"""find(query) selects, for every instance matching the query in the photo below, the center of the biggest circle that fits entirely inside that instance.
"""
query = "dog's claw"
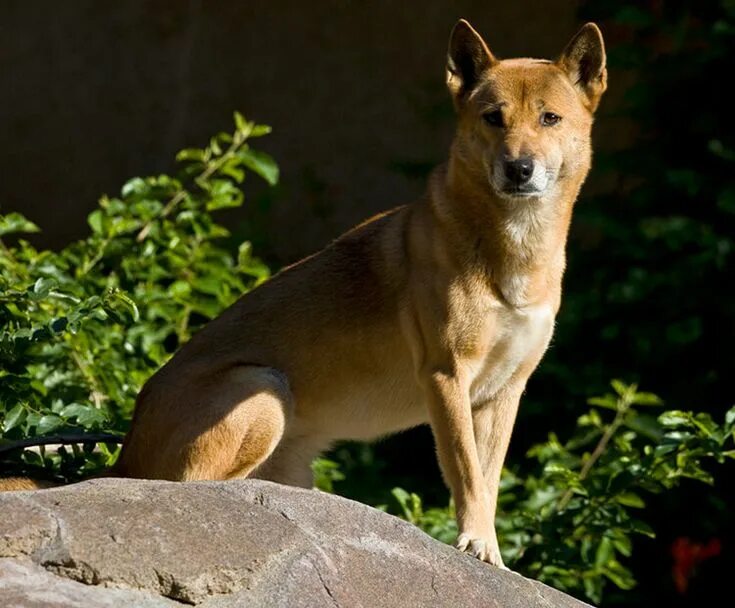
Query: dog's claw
(484, 550)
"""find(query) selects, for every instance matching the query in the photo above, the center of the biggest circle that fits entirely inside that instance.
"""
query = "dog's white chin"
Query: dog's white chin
(522, 195)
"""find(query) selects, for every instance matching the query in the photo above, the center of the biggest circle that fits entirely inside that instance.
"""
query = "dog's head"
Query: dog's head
(524, 124)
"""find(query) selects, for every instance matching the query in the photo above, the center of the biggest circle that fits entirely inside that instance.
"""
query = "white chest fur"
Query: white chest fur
(519, 333)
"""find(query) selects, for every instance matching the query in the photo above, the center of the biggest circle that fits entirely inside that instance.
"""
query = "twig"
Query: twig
(238, 140)
(9, 254)
(595, 456)
(97, 256)
(61, 439)
(97, 395)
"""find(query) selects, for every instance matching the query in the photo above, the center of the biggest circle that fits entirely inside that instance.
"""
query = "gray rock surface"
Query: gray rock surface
(117, 542)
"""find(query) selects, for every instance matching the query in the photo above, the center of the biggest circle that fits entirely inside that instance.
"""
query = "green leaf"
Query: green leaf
(240, 123)
(91, 417)
(96, 221)
(42, 287)
(624, 545)
(22, 334)
(593, 588)
(705, 424)
(231, 170)
(674, 418)
(74, 409)
(132, 306)
(410, 504)
(224, 195)
(134, 186)
(207, 284)
(326, 472)
(14, 417)
(592, 419)
(179, 289)
(48, 423)
(629, 499)
(14, 223)
(608, 401)
(191, 154)
(719, 149)
(644, 424)
(619, 387)
(647, 399)
(605, 552)
(260, 130)
(640, 527)
(260, 163)
(619, 575)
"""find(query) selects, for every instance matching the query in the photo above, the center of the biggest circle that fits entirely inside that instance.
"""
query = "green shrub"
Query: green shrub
(571, 522)
(81, 329)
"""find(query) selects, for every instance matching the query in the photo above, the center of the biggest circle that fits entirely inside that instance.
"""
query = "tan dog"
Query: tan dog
(434, 312)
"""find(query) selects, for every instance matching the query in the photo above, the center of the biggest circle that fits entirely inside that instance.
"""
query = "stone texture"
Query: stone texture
(242, 543)
(24, 584)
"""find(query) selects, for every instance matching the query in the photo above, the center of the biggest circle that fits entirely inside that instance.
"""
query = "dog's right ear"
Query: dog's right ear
(468, 58)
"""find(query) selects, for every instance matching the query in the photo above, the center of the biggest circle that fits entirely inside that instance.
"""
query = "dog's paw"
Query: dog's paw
(484, 549)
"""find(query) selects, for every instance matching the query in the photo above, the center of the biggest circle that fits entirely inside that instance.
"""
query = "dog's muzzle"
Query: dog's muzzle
(520, 177)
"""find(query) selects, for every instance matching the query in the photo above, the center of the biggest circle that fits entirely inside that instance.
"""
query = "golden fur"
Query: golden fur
(436, 312)
(14, 484)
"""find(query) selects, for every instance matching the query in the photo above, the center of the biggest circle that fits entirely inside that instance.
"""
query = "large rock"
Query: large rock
(116, 542)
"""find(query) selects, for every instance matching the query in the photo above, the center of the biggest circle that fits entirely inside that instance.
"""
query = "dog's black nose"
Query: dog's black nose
(520, 170)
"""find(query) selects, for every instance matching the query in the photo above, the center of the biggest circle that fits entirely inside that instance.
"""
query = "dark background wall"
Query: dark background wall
(96, 92)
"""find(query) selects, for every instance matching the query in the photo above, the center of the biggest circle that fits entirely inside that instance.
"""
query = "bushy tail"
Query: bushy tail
(15, 484)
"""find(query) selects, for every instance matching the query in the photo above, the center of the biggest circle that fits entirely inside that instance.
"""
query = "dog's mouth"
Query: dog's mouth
(512, 191)
(515, 192)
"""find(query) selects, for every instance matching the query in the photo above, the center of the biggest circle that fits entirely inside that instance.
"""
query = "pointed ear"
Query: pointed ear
(584, 62)
(467, 59)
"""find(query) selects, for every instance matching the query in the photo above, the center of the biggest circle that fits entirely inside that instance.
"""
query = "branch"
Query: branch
(61, 439)
(594, 457)
(238, 140)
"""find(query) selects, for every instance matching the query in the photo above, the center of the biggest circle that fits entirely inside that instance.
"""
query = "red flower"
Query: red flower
(687, 556)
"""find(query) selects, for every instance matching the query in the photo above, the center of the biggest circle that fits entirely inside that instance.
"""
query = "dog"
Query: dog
(435, 312)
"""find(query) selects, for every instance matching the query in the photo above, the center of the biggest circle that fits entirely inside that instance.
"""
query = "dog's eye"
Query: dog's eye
(549, 119)
(494, 119)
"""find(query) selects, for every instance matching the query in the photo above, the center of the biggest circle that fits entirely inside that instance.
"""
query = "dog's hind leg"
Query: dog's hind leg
(248, 434)
(290, 462)
(221, 428)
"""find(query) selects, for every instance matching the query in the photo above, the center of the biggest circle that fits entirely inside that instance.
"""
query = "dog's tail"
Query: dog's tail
(15, 484)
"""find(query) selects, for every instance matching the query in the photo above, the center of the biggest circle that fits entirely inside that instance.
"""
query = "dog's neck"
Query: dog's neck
(518, 244)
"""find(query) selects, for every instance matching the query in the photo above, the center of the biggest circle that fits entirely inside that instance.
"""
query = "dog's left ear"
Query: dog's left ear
(584, 62)
(467, 59)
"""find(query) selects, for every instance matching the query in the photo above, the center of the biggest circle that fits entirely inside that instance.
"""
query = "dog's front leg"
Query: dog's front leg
(451, 421)
(493, 426)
